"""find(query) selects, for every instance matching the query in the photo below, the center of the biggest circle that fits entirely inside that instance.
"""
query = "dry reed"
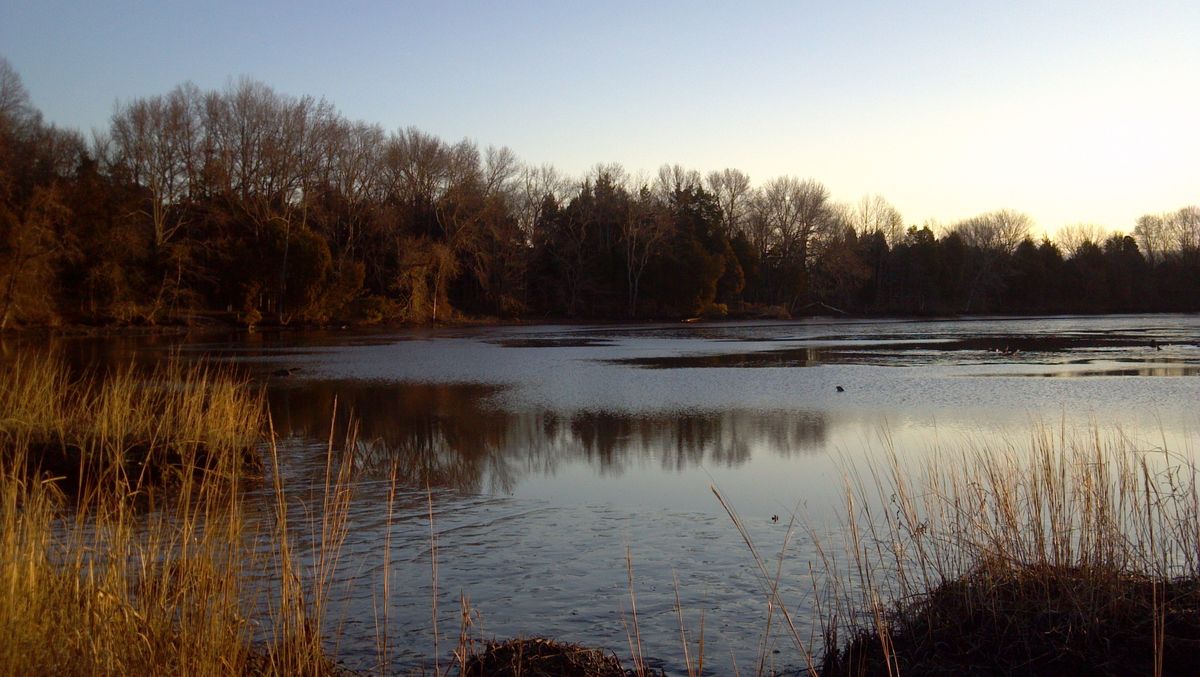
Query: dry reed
(1074, 553)
(97, 581)
(132, 428)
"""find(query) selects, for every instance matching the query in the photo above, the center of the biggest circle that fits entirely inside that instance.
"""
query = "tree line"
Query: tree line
(249, 205)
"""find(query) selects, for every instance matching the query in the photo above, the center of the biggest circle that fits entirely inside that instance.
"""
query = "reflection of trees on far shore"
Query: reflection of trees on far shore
(688, 439)
(450, 435)
(436, 434)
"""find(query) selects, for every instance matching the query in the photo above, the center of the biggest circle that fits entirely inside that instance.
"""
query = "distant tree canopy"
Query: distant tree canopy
(250, 205)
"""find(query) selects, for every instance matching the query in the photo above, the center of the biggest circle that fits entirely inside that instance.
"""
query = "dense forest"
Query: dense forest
(249, 206)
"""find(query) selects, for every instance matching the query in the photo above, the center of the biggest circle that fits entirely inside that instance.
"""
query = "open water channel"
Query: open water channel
(550, 452)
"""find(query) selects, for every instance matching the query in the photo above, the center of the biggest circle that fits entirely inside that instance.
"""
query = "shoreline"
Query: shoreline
(226, 327)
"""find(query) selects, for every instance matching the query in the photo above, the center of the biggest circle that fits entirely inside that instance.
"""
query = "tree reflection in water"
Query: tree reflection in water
(458, 436)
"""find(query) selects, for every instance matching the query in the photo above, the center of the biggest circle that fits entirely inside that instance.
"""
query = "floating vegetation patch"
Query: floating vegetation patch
(539, 657)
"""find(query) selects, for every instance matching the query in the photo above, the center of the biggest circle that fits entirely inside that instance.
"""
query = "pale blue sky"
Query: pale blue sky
(1070, 111)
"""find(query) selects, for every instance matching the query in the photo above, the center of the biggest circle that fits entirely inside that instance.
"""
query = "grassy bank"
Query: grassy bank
(130, 429)
(1063, 554)
(94, 579)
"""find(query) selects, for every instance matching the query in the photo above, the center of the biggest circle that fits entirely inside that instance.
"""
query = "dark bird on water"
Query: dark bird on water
(774, 518)
(841, 389)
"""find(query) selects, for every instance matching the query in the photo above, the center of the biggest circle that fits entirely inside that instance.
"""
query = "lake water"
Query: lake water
(550, 452)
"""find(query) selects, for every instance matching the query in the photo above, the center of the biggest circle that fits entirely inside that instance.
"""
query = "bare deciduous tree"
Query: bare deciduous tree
(734, 195)
(500, 168)
(533, 186)
(998, 231)
(15, 107)
(1184, 227)
(157, 140)
(992, 235)
(874, 214)
(1071, 238)
(786, 218)
(1161, 235)
(793, 212)
(647, 225)
(613, 173)
(353, 171)
(674, 178)
(838, 268)
(1152, 237)
(415, 166)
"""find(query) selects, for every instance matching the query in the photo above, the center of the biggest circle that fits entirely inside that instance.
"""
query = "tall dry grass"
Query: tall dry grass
(129, 427)
(1067, 552)
(96, 581)
(126, 546)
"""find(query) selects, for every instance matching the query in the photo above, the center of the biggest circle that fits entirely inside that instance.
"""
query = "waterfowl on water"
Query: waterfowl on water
(841, 389)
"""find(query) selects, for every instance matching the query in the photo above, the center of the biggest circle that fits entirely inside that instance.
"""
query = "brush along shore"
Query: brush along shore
(1033, 620)
(1063, 554)
(94, 582)
(128, 429)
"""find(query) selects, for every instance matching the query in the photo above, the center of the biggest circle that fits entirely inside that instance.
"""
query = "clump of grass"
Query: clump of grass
(97, 582)
(1072, 554)
(299, 612)
(128, 427)
(540, 657)
(1004, 620)
(104, 587)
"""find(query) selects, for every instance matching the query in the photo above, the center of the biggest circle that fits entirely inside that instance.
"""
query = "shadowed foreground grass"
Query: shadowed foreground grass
(96, 580)
(128, 429)
(1066, 555)
(1006, 620)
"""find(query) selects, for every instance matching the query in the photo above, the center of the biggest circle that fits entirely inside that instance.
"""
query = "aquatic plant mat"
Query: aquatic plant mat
(539, 657)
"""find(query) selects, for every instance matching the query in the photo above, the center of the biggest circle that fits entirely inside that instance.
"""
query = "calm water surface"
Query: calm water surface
(552, 451)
